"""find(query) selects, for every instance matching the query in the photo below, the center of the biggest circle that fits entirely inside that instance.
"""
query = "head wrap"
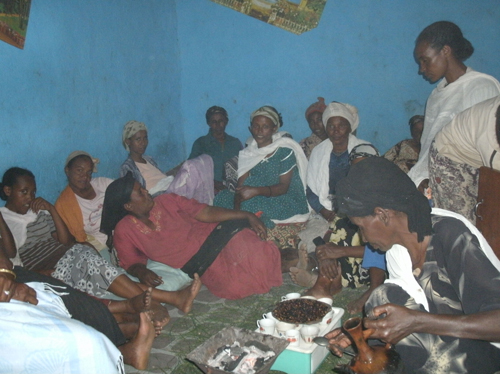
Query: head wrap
(74, 154)
(269, 112)
(347, 111)
(117, 195)
(318, 106)
(215, 109)
(130, 129)
(377, 182)
(363, 150)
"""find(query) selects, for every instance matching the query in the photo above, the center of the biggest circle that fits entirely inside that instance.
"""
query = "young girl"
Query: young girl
(45, 244)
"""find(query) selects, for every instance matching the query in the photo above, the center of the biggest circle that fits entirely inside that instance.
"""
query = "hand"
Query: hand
(246, 192)
(338, 339)
(40, 204)
(9, 289)
(329, 251)
(149, 277)
(258, 226)
(397, 323)
(330, 269)
(329, 215)
(219, 186)
(423, 185)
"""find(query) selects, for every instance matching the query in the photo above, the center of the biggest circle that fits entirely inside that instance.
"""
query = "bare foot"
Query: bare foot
(325, 287)
(136, 352)
(160, 324)
(185, 297)
(303, 260)
(159, 314)
(303, 277)
(140, 303)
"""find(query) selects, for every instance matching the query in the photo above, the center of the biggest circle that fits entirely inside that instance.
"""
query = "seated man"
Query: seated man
(441, 305)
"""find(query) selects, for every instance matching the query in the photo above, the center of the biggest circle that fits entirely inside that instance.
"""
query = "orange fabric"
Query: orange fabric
(68, 208)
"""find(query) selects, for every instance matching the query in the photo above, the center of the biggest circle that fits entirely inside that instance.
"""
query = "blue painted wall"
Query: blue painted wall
(90, 66)
(87, 68)
(361, 53)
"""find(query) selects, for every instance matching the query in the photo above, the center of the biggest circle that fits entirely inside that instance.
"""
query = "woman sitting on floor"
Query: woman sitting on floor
(217, 143)
(232, 260)
(441, 305)
(80, 207)
(44, 244)
(344, 261)
(271, 179)
(314, 118)
(193, 178)
(405, 153)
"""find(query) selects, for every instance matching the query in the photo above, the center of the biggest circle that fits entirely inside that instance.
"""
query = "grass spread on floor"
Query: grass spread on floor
(211, 314)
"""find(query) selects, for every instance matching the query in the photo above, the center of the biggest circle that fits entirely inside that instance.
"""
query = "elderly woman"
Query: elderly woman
(329, 161)
(468, 142)
(440, 51)
(314, 118)
(80, 207)
(271, 175)
(217, 143)
(213, 242)
(405, 153)
(441, 305)
(193, 179)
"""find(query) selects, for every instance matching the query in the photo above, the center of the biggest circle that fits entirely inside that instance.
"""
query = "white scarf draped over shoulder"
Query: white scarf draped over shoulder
(252, 155)
(318, 175)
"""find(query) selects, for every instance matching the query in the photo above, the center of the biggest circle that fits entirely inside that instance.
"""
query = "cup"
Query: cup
(283, 327)
(270, 316)
(309, 297)
(327, 319)
(266, 326)
(308, 333)
(326, 300)
(290, 296)
(293, 336)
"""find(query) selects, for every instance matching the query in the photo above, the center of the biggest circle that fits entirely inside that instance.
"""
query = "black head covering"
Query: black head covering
(377, 182)
(117, 195)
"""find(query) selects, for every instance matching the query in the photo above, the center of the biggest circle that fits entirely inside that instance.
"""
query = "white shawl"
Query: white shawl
(318, 175)
(443, 104)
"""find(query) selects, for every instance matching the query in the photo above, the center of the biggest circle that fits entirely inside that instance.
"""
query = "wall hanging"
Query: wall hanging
(14, 16)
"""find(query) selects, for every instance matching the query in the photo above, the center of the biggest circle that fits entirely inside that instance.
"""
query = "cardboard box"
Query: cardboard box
(303, 359)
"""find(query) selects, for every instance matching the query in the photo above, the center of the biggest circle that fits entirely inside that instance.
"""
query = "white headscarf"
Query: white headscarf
(347, 111)
(130, 129)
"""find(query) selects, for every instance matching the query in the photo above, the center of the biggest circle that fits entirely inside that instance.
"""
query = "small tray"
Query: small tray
(304, 309)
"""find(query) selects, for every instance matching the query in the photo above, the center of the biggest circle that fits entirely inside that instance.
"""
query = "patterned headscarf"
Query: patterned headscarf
(116, 196)
(363, 150)
(347, 111)
(377, 182)
(130, 129)
(318, 106)
(74, 154)
(268, 112)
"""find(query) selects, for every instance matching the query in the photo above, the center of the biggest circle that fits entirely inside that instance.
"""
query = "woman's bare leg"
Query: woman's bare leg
(136, 352)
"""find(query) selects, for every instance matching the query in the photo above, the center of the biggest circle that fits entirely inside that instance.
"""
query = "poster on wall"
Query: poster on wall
(296, 16)
(14, 16)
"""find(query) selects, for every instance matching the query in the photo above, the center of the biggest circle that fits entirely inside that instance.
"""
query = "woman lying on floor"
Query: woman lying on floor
(44, 244)
(33, 303)
(216, 243)
(80, 207)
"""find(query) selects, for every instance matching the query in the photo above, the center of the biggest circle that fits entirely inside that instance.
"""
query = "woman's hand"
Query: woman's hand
(247, 192)
(329, 251)
(394, 326)
(329, 215)
(146, 276)
(9, 289)
(40, 204)
(258, 226)
(330, 269)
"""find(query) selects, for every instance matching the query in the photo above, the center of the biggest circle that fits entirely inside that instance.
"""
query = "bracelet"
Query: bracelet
(8, 272)
(270, 191)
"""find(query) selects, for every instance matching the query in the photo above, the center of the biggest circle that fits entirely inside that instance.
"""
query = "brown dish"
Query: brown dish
(303, 311)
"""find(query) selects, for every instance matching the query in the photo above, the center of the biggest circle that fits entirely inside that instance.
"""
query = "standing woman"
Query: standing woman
(440, 51)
